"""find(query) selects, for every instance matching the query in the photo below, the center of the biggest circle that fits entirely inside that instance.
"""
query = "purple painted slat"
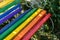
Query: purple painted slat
(10, 15)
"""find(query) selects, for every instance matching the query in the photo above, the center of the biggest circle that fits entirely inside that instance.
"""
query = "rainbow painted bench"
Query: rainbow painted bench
(25, 25)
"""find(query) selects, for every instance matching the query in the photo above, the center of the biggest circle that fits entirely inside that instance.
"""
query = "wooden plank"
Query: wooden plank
(5, 2)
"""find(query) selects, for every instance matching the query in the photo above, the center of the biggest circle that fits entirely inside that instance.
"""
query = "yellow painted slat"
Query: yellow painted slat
(5, 2)
(18, 29)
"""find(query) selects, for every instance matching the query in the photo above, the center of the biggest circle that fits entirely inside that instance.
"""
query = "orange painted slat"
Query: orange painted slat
(30, 25)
